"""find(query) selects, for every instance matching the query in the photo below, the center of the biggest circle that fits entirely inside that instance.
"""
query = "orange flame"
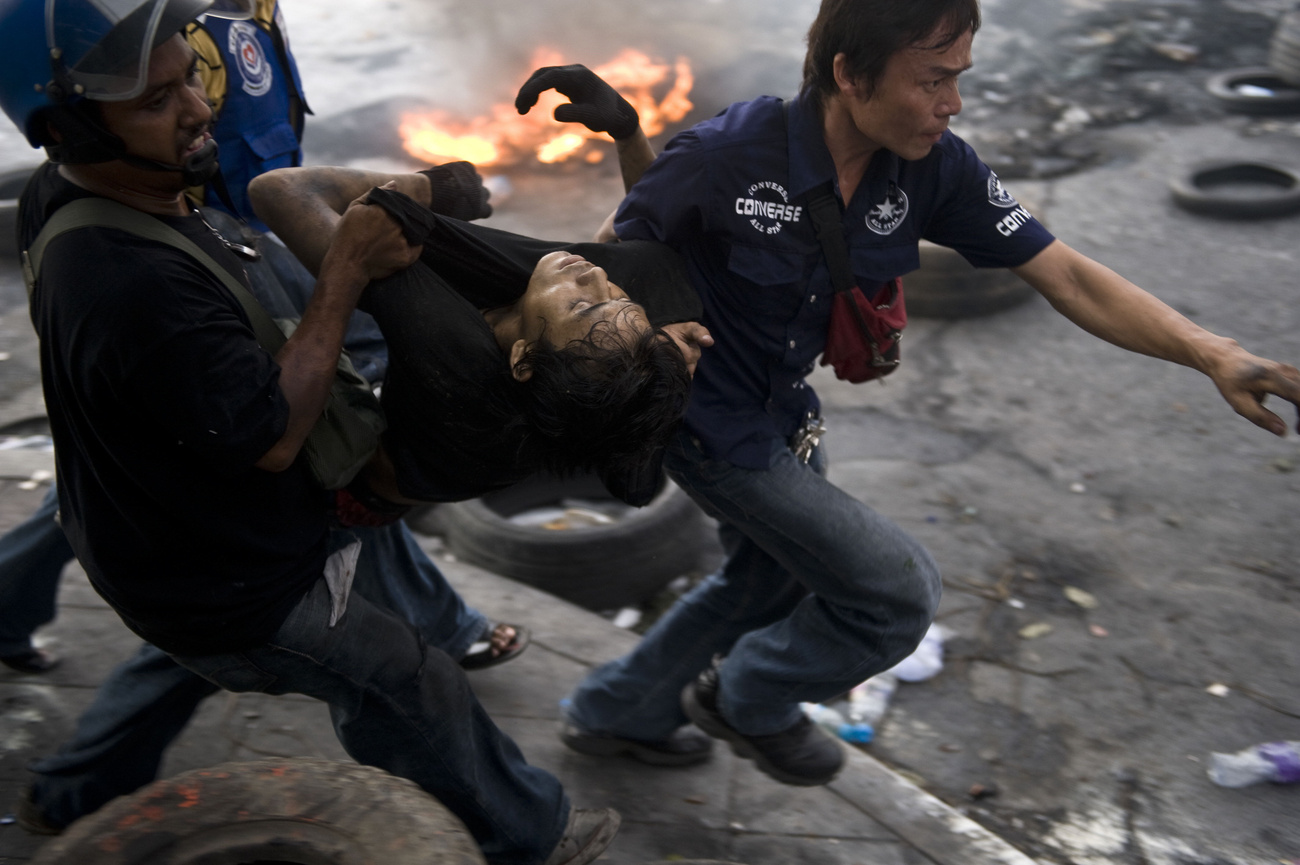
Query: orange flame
(505, 136)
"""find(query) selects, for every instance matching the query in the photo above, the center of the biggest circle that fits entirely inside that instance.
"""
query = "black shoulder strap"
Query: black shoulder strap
(91, 212)
(824, 208)
(827, 219)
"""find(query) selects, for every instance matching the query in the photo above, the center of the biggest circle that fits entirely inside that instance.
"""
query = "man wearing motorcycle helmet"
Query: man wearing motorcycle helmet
(177, 436)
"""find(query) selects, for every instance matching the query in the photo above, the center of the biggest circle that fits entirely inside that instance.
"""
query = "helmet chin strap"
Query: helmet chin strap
(197, 169)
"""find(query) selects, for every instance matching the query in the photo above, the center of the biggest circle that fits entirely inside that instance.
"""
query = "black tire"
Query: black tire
(947, 286)
(303, 811)
(1284, 48)
(11, 187)
(1284, 98)
(1196, 192)
(600, 567)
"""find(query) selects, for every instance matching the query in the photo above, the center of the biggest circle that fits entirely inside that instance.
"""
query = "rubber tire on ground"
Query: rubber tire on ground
(11, 187)
(302, 810)
(1222, 87)
(1195, 191)
(601, 567)
(947, 286)
(1284, 48)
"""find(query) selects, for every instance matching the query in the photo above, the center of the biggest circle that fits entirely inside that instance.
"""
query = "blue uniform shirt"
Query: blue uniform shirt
(731, 196)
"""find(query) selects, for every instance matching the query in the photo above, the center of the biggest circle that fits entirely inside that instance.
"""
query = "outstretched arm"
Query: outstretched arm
(303, 205)
(634, 156)
(600, 108)
(1109, 306)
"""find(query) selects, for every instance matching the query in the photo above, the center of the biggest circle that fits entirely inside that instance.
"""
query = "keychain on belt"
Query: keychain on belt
(807, 437)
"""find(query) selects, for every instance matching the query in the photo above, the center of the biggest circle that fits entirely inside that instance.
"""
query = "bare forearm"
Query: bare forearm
(366, 245)
(634, 156)
(309, 358)
(1110, 307)
(303, 205)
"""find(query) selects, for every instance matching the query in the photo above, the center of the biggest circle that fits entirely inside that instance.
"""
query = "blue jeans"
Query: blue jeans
(818, 593)
(32, 556)
(398, 699)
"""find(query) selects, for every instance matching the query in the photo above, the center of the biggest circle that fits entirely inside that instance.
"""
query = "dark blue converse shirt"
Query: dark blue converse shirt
(731, 196)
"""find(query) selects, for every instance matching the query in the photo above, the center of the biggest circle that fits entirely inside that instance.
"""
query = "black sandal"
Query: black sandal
(32, 661)
(480, 655)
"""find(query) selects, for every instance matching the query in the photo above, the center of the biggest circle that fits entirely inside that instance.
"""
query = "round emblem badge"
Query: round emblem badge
(998, 194)
(249, 58)
(890, 213)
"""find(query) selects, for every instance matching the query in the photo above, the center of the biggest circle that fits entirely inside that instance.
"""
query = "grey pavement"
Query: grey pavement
(723, 810)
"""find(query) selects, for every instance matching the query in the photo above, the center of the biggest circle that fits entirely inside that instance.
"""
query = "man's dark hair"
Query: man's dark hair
(869, 32)
(607, 401)
(82, 136)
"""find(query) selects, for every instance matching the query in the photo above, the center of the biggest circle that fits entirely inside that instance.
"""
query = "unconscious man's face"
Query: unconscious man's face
(567, 296)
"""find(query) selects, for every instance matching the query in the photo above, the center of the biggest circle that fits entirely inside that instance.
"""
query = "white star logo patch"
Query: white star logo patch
(890, 213)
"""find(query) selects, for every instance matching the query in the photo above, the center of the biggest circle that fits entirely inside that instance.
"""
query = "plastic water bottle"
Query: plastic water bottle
(832, 721)
(927, 659)
(869, 700)
(1278, 762)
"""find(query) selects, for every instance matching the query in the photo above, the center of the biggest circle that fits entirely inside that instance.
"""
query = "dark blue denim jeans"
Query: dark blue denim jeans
(32, 557)
(397, 697)
(818, 593)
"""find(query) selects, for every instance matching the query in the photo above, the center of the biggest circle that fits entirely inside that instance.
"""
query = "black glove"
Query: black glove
(593, 103)
(457, 191)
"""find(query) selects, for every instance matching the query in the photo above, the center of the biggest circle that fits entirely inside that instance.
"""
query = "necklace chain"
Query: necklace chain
(248, 253)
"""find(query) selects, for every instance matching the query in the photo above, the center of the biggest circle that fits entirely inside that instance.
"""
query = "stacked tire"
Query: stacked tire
(1284, 49)
(1251, 189)
(1271, 89)
(947, 286)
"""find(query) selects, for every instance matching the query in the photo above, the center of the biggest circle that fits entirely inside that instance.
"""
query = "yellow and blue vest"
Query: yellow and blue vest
(256, 93)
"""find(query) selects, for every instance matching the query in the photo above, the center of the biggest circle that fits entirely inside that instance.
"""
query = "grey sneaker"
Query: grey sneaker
(801, 755)
(685, 747)
(586, 835)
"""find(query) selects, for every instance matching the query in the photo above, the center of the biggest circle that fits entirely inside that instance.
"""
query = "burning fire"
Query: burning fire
(504, 136)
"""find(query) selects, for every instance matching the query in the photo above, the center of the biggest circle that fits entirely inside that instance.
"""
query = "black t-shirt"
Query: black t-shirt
(160, 403)
(450, 431)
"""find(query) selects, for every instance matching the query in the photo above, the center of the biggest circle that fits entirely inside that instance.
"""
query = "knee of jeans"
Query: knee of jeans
(921, 592)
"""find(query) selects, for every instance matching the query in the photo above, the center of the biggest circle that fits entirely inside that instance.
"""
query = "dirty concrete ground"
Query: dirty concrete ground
(1029, 456)
(724, 810)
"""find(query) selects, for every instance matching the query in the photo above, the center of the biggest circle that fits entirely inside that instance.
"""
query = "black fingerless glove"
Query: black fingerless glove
(457, 191)
(592, 102)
